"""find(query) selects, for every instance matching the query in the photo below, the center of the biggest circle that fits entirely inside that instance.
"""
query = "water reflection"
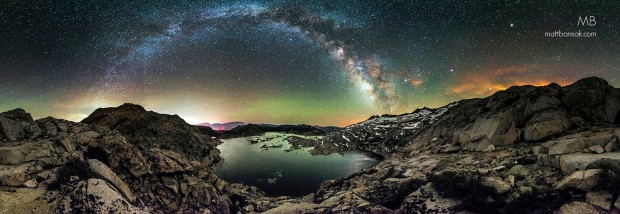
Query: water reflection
(279, 171)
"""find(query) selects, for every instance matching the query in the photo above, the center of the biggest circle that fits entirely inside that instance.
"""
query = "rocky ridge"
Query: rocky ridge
(525, 149)
(147, 129)
(128, 161)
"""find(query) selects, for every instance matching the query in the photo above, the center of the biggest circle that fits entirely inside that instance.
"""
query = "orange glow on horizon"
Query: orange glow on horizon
(488, 81)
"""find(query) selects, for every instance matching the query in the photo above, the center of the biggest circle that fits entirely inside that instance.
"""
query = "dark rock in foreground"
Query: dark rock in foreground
(18, 125)
(147, 129)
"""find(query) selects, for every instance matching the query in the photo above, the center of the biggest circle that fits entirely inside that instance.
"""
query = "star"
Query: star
(302, 61)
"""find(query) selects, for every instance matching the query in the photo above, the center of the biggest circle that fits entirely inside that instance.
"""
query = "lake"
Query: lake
(280, 172)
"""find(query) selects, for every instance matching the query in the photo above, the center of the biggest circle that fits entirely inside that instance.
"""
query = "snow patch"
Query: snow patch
(345, 137)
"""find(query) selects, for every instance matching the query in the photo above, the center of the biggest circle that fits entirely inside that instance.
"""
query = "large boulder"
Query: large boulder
(579, 141)
(569, 163)
(18, 125)
(601, 138)
(545, 124)
(16, 175)
(587, 98)
(496, 130)
(565, 145)
(104, 172)
(584, 180)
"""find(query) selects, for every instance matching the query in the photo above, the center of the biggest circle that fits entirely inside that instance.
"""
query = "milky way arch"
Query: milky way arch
(365, 70)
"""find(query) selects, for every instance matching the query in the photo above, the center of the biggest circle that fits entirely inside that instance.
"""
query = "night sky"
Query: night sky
(314, 62)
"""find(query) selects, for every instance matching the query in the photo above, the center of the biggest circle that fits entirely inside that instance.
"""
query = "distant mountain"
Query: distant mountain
(329, 129)
(244, 131)
(222, 126)
(208, 131)
(326, 129)
(225, 130)
(259, 129)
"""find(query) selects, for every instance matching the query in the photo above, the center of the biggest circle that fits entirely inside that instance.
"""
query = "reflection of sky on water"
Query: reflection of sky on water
(278, 172)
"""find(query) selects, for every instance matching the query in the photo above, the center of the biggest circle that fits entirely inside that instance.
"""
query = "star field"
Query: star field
(315, 62)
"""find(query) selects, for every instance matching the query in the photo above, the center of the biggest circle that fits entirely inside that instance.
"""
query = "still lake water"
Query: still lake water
(278, 172)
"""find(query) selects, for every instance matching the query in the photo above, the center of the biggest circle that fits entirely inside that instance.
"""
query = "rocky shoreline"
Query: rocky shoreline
(523, 150)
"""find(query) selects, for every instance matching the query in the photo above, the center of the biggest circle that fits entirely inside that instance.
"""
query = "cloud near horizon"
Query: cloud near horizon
(485, 82)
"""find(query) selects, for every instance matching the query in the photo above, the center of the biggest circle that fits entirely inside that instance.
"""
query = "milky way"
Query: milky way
(316, 62)
(365, 71)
